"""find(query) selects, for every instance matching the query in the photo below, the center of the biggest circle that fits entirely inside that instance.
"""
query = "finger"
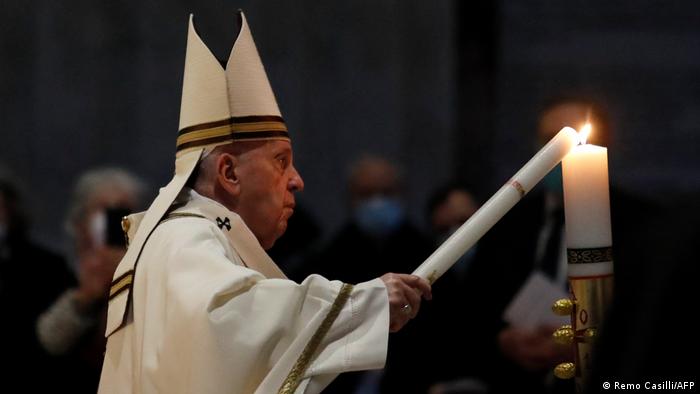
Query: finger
(419, 283)
(404, 291)
(424, 287)
(396, 293)
(397, 300)
(398, 318)
(410, 297)
(413, 299)
(395, 326)
(411, 280)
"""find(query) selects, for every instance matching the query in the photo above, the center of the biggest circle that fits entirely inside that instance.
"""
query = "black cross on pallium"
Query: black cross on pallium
(222, 223)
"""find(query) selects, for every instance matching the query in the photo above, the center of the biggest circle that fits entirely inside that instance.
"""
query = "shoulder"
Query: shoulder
(191, 244)
(186, 231)
(186, 223)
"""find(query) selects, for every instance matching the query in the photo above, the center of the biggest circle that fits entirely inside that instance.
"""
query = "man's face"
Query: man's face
(373, 177)
(457, 208)
(268, 181)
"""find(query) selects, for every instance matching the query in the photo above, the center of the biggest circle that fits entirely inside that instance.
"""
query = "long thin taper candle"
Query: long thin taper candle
(498, 205)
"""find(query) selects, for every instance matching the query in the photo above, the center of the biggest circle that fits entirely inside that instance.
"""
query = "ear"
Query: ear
(227, 168)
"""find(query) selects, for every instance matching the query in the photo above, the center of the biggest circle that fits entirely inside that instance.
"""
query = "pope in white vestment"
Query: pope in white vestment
(196, 305)
(206, 323)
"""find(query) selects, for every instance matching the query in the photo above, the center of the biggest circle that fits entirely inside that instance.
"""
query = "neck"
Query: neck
(215, 193)
(206, 190)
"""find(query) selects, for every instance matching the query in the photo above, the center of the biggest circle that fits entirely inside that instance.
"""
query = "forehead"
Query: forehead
(261, 149)
(280, 146)
(274, 147)
(373, 176)
(262, 155)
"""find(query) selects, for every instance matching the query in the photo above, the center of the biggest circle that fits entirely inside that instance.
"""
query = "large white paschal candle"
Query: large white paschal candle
(589, 249)
(587, 209)
(498, 205)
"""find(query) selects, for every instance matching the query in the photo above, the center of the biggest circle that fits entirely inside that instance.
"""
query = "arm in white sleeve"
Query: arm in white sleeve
(61, 326)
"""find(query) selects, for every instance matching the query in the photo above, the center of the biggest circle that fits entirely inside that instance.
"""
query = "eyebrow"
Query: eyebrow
(283, 151)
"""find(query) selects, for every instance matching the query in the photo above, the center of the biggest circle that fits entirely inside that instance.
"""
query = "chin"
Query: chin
(280, 231)
(268, 242)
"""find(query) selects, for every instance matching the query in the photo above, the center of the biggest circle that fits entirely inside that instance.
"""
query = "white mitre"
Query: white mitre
(219, 106)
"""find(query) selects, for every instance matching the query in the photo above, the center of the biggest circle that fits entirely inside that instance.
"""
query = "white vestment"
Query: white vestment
(211, 313)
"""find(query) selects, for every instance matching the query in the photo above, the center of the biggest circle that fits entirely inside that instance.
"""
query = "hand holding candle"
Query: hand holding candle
(498, 205)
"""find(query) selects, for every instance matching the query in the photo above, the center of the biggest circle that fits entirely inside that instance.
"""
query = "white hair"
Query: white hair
(91, 182)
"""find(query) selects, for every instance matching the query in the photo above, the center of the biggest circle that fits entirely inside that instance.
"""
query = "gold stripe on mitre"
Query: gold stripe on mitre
(259, 127)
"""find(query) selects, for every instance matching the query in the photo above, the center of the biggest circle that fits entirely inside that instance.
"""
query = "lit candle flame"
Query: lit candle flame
(583, 134)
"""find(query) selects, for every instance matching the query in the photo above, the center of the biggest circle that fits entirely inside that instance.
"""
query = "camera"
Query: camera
(106, 227)
(114, 234)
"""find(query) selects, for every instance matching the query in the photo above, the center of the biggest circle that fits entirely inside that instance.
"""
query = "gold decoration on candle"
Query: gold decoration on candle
(564, 335)
(518, 187)
(591, 295)
(589, 255)
(589, 243)
(563, 307)
(590, 335)
(565, 370)
(432, 277)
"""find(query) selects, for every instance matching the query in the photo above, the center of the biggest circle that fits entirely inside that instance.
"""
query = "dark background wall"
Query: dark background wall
(448, 89)
(640, 59)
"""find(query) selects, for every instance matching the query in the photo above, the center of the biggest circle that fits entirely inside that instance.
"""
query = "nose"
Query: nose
(296, 184)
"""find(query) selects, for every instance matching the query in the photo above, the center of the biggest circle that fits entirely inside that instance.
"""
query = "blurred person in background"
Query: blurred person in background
(528, 244)
(377, 237)
(447, 209)
(73, 326)
(31, 277)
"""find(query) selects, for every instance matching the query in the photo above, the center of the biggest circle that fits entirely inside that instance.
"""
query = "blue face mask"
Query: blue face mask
(379, 216)
(552, 181)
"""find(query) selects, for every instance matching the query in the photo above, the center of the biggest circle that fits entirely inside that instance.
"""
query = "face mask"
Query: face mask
(552, 181)
(379, 216)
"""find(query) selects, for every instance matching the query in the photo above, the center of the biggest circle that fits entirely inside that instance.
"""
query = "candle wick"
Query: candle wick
(583, 134)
